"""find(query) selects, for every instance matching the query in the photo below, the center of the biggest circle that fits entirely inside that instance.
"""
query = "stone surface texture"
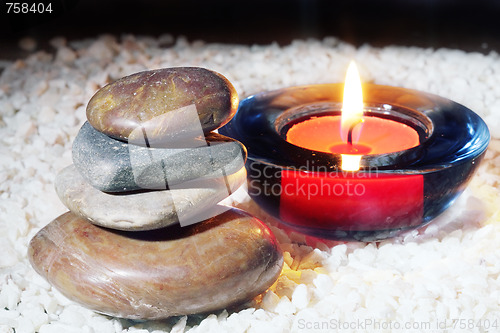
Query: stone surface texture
(159, 104)
(146, 210)
(212, 265)
(112, 165)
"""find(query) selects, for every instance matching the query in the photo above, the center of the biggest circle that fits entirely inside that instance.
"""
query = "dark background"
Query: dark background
(472, 25)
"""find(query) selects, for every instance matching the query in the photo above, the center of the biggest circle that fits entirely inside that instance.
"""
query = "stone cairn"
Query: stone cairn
(145, 237)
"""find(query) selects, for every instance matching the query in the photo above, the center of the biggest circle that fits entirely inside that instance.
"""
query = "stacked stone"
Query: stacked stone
(145, 238)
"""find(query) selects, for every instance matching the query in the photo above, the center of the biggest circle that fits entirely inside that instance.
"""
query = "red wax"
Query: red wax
(379, 135)
(351, 201)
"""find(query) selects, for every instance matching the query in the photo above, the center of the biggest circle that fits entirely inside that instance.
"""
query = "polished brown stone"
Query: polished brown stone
(156, 107)
(220, 262)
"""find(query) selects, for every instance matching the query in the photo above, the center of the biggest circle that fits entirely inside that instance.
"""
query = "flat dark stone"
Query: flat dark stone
(111, 165)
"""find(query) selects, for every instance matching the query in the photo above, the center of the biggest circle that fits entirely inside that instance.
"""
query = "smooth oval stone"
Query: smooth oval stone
(212, 265)
(194, 202)
(111, 165)
(163, 104)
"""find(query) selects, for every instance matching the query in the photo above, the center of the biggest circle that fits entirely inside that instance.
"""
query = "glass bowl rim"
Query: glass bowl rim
(431, 106)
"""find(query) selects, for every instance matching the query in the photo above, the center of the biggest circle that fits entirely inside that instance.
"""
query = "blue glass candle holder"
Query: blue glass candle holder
(390, 193)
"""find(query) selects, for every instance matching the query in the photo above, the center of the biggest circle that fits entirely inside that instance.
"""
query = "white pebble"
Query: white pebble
(28, 44)
(72, 316)
(285, 307)
(65, 54)
(9, 295)
(6, 329)
(270, 301)
(180, 325)
(8, 317)
(59, 328)
(8, 255)
(300, 297)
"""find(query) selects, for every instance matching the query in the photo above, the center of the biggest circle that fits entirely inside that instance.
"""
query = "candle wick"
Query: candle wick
(351, 129)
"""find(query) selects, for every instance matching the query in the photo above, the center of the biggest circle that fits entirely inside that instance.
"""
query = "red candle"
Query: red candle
(351, 200)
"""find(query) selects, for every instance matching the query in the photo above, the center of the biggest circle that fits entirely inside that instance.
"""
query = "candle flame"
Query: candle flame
(352, 104)
(352, 114)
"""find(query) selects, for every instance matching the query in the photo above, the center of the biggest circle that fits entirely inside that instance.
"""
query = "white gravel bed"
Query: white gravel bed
(445, 275)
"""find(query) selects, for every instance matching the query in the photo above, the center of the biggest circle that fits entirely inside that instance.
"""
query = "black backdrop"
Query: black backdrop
(472, 25)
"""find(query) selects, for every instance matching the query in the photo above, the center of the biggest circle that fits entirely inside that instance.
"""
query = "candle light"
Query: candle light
(352, 134)
(397, 164)
(356, 201)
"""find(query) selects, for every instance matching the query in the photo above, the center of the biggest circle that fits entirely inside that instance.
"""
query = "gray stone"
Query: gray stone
(147, 210)
(111, 165)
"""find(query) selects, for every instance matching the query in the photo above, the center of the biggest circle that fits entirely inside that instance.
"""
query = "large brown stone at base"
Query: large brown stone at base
(223, 261)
